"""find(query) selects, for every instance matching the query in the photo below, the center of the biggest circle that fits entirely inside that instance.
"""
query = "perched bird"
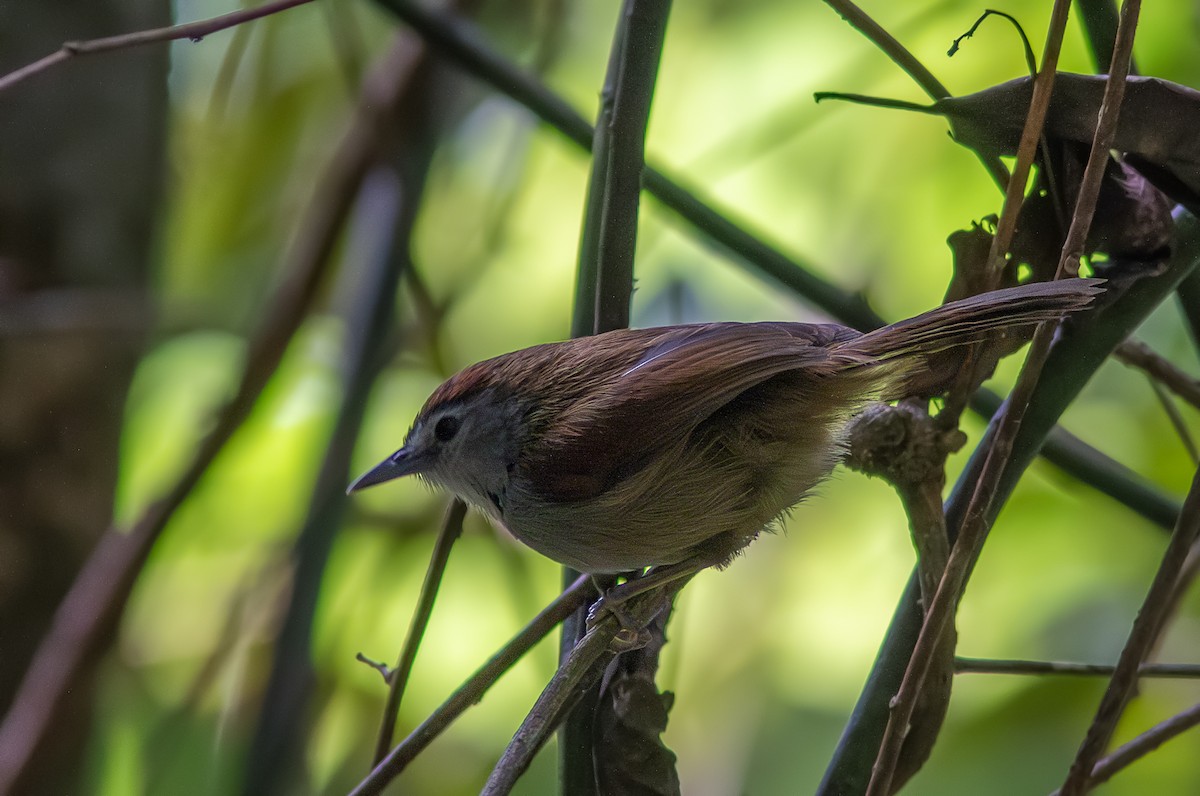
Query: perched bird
(674, 447)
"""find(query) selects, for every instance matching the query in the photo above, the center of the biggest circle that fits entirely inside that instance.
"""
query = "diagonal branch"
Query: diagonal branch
(191, 30)
(471, 691)
(398, 677)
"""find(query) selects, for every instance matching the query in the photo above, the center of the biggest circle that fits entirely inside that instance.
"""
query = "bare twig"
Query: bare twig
(893, 49)
(583, 667)
(398, 676)
(471, 691)
(1137, 354)
(191, 30)
(1182, 671)
(1145, 631)
(1027, 48)
(1177, 422)
(1144, 744)
(1039, 106)
(384, 670)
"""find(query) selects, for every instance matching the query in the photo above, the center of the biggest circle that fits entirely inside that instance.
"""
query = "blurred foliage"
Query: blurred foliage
(767, 657)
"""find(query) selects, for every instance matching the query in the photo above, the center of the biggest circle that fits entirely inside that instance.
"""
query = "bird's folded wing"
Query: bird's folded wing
(681, 379)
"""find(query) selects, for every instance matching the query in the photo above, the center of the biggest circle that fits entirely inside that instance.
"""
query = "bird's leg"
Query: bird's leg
(669, 578)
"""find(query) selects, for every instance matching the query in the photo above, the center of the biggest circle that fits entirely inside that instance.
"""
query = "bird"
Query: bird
(670, 449)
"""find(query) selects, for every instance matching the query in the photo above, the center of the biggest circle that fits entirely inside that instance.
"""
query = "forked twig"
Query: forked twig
(1129, 753)
(476, 686)
(398, 676)
(1137, 354)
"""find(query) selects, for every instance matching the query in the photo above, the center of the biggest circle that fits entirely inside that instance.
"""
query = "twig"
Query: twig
(1137, 354)
(471, 691)
(398, 676)
(575, 677)
(1177, 422)
(897, 52)
(1182, 671)
(1039, 106)
(1027, 48)
(584, 666)
(191, 30)
(384, 670)
(378, 244)
(976, 524)
(1126, 754)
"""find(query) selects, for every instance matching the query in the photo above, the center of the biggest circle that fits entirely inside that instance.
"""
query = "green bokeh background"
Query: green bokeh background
(766, 658)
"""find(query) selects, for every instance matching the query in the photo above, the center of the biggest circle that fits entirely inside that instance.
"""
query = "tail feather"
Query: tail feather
(969, 320)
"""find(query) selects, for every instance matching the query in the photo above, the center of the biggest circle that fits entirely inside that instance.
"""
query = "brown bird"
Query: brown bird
(676, 446)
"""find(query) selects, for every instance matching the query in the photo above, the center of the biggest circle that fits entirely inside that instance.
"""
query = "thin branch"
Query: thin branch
(1039, 106)
(1166, 671)
(587, 661)
(1177, 422)
(1087, 465)
(1126, 754)
(472, 691)
(1137, 354)
(378, 245)
(893, 49)
(398, 676)
(194, 31)
(977, 523)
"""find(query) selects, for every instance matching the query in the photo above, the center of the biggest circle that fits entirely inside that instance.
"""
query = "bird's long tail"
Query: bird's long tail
(904, 345)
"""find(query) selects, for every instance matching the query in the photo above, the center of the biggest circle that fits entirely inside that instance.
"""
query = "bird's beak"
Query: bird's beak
(401, 463)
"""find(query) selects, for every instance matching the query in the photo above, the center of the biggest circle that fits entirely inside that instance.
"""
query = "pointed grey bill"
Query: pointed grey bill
(401, 463)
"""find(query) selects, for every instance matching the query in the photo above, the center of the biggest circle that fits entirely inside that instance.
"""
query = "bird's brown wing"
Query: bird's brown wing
(681, 379)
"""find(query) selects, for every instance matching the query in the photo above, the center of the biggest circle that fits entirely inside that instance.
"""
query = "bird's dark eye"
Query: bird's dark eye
(446, 428)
